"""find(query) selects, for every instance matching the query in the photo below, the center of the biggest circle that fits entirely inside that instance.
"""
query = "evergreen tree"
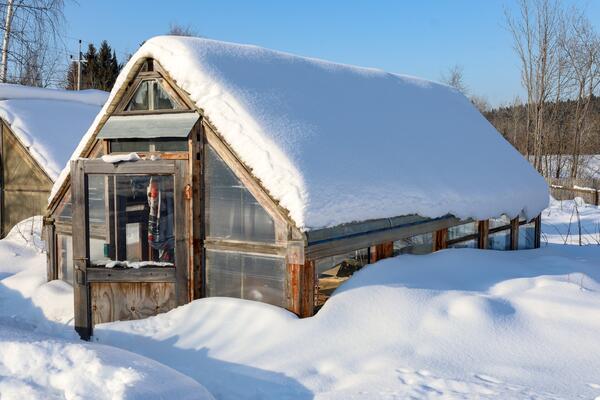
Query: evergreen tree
(99, 71)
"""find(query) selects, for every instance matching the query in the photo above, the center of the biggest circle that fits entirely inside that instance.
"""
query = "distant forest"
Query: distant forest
(511, 121)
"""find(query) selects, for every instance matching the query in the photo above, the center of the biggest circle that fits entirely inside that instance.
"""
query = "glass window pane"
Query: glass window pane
(458, 231)
(232, 212)
(64, 252)
(468, 244)
(66, 213)
(162, 101)
(145, 145)
(140, 99)
(418, 244)
(527, 236)
(246, 276)
(499, 240)
(497, 222)
(139, 220)
(335, 270)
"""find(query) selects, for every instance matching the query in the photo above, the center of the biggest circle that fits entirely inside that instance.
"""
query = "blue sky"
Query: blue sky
(421, 38)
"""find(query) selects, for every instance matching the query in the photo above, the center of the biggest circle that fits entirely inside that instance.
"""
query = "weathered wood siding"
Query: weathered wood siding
(131, 300)
(25, 186)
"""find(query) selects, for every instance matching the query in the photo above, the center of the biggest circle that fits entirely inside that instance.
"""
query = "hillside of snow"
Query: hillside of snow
(456, 324)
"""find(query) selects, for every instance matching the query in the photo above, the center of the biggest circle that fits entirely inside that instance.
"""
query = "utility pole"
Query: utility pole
(79, 61)
(79, 68)
(6, 39)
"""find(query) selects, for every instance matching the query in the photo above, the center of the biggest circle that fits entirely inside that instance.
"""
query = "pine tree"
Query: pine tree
(89, 70)
(99, 71)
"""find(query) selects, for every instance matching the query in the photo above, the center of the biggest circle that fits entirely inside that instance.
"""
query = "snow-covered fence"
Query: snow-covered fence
(568, 189)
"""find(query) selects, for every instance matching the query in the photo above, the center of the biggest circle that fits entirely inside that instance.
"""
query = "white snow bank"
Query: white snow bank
(458, 324)
(49, 122)
(38, 367)
(335, 143)
(40, 356)
(568, 221)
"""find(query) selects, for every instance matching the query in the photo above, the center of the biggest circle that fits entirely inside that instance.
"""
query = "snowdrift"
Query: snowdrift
(454, 324)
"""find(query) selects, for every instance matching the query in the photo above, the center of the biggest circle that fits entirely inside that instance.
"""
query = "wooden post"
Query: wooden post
(484, 229)
(81, 290)
(195, 167)
(181, 220)
(50, 239)
(538, 231)
(514, 233)
(440, 238)
(301, 278)
(381, 251)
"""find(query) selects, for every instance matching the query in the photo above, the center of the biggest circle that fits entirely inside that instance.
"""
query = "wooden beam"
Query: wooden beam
(81, 294)
(49, 235)
(181, 220)
(440, 238)
(484, 229)
(301, 290)
(538, 231)
(145, 274)
(514, 233)
(344, 245)
(381, 251)
(145, 167)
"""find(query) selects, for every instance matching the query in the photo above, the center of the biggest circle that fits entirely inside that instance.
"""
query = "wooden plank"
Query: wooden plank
(484, 228)
(381, 251)
(514, 234)
(195, 168)
(538, 231)
(49, 235)
(144, 167)
(83, 322)
(245, 247)
(181, 220)
(146, 274)
(128, 301)
(366, 240)
(439, 239)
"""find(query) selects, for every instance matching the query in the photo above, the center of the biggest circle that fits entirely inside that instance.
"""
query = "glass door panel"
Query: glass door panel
(131, 220)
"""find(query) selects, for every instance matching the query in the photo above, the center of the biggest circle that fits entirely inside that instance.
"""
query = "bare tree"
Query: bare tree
(455, 77)
(536, 36)
(582, 50)
(176, 29)
(31, 43)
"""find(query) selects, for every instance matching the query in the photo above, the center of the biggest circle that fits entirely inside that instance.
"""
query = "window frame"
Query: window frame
(155, 73)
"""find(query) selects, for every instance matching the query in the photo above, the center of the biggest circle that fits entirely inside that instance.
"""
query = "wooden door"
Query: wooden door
(118, 273)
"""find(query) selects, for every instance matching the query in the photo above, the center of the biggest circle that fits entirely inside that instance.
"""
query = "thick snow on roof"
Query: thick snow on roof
(335, 143)
(49, 122)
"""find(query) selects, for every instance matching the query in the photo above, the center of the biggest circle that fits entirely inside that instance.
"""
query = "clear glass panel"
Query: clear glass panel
(232, 212)
(145, 145)
(502, 221)
(527, 236)
(499, 240)
(140, 100)
(162, 101)
(64, 252)
(246, 276)
(137, 214)
(66, 213)
(455, 232)
(468, 244)
(335, 270)
(418, 244)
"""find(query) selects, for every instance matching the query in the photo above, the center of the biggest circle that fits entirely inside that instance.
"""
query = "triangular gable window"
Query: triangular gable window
(151, 95)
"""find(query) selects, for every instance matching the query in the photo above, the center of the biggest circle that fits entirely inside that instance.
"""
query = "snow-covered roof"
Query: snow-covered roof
(335, 143)
(49, 122)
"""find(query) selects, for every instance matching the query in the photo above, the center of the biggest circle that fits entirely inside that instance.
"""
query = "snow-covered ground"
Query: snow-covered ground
(40, 354)
(457, 324)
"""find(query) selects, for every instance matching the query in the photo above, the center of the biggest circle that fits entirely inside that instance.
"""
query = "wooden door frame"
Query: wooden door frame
(80, 169)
